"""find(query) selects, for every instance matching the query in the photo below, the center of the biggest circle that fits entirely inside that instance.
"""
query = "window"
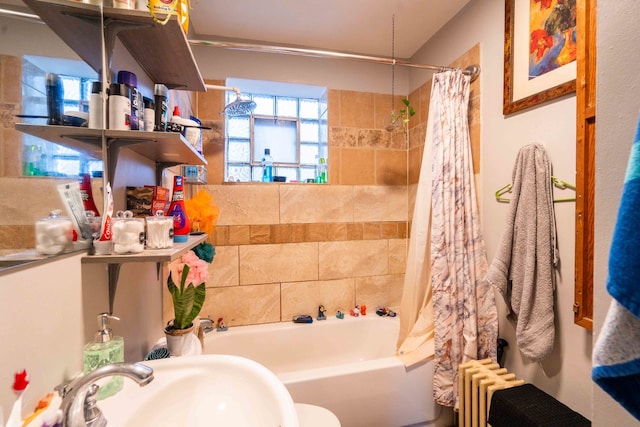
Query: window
(289, 120)
(40, 157)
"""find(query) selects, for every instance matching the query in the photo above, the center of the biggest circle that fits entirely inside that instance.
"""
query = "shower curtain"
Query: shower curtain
(448, 311)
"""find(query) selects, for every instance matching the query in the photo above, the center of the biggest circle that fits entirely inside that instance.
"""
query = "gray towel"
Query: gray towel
(523, 270)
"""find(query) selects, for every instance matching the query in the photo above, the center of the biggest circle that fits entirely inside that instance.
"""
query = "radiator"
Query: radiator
(477, 381)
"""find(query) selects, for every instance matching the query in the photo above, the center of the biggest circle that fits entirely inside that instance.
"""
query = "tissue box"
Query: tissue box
(147, 200)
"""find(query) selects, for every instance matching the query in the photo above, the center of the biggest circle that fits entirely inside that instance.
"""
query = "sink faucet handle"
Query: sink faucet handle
(92, 414)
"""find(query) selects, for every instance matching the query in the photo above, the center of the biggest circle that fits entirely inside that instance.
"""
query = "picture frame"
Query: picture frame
(539, 65)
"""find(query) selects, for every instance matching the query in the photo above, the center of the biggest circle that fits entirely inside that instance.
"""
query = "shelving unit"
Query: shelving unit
(157, 49)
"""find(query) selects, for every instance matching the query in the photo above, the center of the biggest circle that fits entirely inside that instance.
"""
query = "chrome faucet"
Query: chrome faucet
(78, 405)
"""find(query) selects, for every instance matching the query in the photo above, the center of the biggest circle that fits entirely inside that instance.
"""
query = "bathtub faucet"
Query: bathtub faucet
(205, 326)
(78, 405)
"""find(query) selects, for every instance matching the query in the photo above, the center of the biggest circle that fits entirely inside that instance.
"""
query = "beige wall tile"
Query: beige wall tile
(371, 231)
(246, 204)
(391, 167)
(289, 262)
(41, 195)
(379, 291)
(243, 305)
(333, 106)
(357, 166)
(397, 256)
(224, 270)
(316, 203)
(380, 203)
(211, 102)
(336, 232)
(10, 74)
(305, 297)
(356, 109)
(353, 259)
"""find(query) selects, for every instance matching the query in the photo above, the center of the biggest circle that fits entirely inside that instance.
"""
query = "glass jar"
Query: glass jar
(54, 234)
(128, 233)
(159, 231)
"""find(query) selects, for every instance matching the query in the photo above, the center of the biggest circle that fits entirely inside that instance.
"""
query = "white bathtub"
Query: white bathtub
(345, 365)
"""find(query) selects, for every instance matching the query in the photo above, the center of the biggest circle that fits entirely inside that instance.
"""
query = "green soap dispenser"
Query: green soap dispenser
(105, 349)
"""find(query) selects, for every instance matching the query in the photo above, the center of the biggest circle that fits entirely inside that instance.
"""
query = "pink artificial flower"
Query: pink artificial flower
(198, 269)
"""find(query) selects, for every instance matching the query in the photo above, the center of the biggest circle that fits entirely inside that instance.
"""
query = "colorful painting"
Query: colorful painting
(552, 29)
(540, 52)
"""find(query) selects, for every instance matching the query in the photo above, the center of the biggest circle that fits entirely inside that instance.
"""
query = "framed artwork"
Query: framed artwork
(539, 52)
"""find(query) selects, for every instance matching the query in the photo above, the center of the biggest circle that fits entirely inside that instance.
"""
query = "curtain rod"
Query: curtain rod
(473, 70)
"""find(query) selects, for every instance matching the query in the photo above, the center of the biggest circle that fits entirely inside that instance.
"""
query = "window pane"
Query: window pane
(239, 151)
(238, 127)
(309, 108)
(239, 173)
(307, 173)
(256, 173)
(290, 173)
(309, 131)
(264, 105)
(280, 136)
(308, 154)
(71, 87)
(287, 107)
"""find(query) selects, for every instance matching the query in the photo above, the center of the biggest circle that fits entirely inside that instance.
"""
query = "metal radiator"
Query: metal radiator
(477, 381)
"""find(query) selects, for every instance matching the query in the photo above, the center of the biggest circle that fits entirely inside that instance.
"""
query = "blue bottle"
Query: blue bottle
(267, 166)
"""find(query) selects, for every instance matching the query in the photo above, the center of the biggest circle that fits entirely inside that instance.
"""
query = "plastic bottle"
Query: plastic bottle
(161, 94)
(131, 80)
(119, 106)
(321, 171)
(267, 166)
(55, 99)
(105, 349)
(149, 114)
(95, 106)
(32, 161)
(181, 223)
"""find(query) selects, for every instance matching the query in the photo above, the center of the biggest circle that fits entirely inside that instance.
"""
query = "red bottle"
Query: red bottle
(87, 195)
(181, 223)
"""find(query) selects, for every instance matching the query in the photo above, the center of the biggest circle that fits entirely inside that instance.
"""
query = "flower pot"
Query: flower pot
(182, 342)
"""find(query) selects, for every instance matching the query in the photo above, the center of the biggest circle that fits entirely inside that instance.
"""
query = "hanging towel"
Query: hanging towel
(523, 270)
(616, 356)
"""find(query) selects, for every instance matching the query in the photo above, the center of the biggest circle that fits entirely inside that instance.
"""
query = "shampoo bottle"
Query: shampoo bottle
(104, 350)
(181, 223)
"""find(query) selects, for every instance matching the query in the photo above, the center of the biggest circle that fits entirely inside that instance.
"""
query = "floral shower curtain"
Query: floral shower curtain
(447, 310)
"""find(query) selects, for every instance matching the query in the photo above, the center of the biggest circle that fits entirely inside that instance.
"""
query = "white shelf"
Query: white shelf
(162, 147)
(162, 51)
(148, 255)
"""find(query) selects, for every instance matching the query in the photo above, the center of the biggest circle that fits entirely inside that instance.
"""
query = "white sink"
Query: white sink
(206, 390)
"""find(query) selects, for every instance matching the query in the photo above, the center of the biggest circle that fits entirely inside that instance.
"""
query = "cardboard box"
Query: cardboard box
(147, 200)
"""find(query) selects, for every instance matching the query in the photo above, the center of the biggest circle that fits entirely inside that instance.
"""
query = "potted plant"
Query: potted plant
(187, 297)
(401, 118)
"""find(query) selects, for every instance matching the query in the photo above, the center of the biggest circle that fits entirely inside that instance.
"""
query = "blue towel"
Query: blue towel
(616, 356)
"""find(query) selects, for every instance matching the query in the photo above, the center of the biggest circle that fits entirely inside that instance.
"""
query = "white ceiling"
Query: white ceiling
(354, 26)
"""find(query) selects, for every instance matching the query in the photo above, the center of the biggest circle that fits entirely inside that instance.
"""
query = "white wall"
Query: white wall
(618, 103)
(566, 373)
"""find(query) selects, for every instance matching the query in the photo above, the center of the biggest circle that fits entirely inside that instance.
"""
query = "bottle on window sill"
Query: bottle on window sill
(267, 166)
(321, 171)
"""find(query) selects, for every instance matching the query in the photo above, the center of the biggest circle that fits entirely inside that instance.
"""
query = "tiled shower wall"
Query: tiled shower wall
(283, 249)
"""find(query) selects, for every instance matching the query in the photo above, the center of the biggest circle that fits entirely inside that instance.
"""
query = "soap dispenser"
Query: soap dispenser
(105, 349)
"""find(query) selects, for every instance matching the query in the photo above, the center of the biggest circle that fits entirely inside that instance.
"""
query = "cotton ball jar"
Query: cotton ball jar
(128, 233)
(54, 234)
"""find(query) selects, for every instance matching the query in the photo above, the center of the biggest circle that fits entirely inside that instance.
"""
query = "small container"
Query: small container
(161, 96)
(128, 233)
(119, 106)
(149, 114)
(95, 106)
(131, 80)
(54, 234)
(159, 231)
(55, 99)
